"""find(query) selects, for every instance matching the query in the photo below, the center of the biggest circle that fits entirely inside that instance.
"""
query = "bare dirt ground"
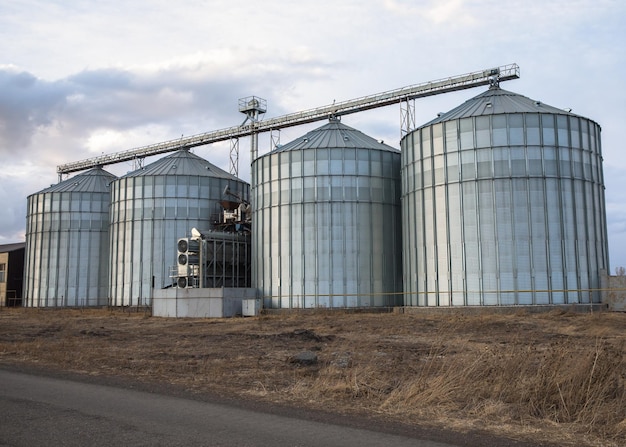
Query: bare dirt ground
(549, 378)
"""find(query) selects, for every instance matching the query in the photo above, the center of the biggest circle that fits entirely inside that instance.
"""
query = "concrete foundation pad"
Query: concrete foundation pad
(200, 303)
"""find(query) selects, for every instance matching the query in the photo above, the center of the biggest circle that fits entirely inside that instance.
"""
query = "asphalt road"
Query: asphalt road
(45, 411)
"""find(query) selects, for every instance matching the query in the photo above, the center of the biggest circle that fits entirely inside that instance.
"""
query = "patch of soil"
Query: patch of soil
(541, 378)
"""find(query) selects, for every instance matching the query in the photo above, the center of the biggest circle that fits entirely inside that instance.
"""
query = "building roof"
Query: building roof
(93, 180)
(182, 162)
(497, 101)
(7, 248)
(334, 135)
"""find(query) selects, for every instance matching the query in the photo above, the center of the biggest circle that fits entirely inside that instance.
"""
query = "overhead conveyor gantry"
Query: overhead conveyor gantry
(254, 126)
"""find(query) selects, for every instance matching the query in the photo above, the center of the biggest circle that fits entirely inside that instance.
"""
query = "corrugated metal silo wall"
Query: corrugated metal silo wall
(502, 210)
(326, 228)
(148, 215)
(67, 240)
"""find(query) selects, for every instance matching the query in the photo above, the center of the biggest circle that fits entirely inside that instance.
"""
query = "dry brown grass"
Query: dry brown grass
(557, 377)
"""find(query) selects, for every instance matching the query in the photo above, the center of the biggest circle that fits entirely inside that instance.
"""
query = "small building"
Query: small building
(11, 274)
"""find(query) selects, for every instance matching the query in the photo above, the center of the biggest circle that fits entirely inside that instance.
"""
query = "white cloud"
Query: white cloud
(435, 12)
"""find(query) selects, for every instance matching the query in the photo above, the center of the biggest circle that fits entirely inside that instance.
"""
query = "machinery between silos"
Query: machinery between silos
(220, 257)
(150, 208)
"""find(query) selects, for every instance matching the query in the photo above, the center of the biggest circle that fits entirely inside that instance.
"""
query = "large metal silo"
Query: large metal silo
(67, 242)
(325, 228)
(150, 209)
(503, 204)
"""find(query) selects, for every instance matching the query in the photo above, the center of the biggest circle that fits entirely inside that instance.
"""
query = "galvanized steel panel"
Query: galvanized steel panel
(503, 209)
(67, 248)
(150, 209)
(326, 222)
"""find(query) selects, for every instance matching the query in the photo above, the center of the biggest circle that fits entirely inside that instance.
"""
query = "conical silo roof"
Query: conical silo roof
(335, 135)
(94, 180)
(497, 101)
(182, 162)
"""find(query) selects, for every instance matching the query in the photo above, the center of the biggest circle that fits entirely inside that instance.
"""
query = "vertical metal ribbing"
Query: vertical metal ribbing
(329, 228)
(578, 195)
(52, 276)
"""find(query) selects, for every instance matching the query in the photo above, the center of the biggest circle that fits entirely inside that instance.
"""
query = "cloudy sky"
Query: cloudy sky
(80, 78)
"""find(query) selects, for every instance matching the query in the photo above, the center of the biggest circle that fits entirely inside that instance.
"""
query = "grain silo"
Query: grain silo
(67, 242)
(503, 204)
(325, 228)
(150, 209)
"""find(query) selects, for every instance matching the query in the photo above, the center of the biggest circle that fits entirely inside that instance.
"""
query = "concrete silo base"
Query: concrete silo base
(200, 303)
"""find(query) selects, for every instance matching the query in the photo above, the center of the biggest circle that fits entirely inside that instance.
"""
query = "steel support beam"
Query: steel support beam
(405, 94)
